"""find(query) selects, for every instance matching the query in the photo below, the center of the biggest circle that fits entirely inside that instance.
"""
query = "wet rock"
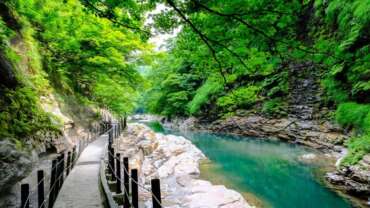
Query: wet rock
(205, 195)
(335, 178)
(308, 157)
(14, 164)
(354, 180)
(310, 133)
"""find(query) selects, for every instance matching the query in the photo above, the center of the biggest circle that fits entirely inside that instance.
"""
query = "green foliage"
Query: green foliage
(358, 147)
(228, 55)
(357, 116)
(20, 114)
(5, 35)
(275, 107)
(61, 46)
(348, 68)
(172, 87)
(84, 53)
(119, 99)
(243, 97)
(352, 115)
(334, 91)
(203, 95)
(366, 123)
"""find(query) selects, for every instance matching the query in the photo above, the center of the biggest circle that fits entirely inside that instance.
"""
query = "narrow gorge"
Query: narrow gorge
(184, 103)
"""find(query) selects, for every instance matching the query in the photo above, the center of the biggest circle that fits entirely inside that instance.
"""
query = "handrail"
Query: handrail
(104, 184)
(71, 160)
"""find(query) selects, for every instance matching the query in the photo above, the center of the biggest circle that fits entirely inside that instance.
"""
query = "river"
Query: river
(268, 173)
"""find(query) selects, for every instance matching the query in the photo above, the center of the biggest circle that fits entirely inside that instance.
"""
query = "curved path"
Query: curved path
(81, 188)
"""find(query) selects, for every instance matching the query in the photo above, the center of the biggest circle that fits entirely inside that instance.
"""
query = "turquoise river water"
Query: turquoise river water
(271, 171)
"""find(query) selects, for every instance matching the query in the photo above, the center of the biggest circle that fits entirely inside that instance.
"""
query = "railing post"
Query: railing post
(126, 183)
(57, 176)
(79, 147)
(118, 173)
(113, 132)
(61, 172)
(68, 163)
(25, 193)
(120, 122)
(111, 161)
(52, 183)
(156, 193)
(134, 189)
(116, 130)
(40, 189)
(73, 156)
(110, 138)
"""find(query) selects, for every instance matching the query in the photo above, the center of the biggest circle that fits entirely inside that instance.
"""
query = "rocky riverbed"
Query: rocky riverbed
(175, 160)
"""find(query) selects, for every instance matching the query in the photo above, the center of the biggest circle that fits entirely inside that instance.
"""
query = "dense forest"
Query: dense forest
(229, 56)
(233, 55)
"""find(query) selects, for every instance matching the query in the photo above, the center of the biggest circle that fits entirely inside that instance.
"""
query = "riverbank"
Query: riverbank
(326, 137)
(175, 160)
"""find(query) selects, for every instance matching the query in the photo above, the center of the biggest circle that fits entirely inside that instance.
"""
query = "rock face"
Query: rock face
(175, 160)
(304, 90)
(19, 165)
(14, 165)
(310, 133)
(354, 180)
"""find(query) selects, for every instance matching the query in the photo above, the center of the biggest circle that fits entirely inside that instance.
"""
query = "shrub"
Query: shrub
(209, 88)
(242, 97)
(334, 91)
(352, 115)
(21, 115)
(366, 123)
(358, 147)
(274, 107)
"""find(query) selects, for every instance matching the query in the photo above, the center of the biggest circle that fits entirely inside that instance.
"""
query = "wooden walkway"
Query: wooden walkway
(81, 188)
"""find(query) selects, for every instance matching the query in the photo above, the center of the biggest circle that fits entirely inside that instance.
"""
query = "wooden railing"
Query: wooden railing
(60, 168)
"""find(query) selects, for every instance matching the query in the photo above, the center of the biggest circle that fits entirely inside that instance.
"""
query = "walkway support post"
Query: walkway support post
(40, 189)
(25, 194)
(134, 188)
(156, 193)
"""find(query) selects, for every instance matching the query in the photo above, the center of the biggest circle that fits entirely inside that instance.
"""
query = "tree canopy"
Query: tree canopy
(227, 56)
